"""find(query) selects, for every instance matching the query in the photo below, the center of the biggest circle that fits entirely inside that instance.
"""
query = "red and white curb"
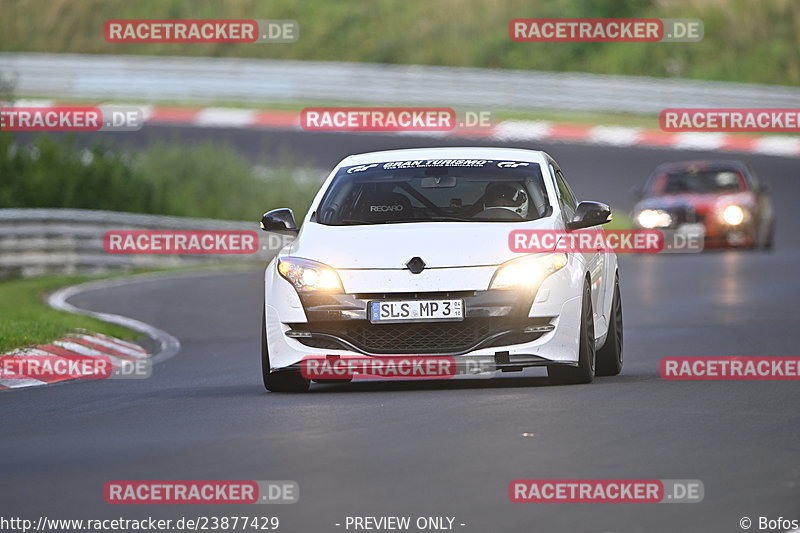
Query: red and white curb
(79, 346)
(86, 345)
(508, 130)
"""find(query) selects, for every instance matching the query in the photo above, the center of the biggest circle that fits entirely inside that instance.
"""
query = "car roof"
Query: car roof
(458, 152)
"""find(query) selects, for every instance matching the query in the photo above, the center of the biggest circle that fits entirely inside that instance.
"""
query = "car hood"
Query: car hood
(391, 246)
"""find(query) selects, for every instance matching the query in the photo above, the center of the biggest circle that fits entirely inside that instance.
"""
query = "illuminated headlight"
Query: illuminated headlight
(654, 218)
(309, 276)
(527, 272)
(733, 215)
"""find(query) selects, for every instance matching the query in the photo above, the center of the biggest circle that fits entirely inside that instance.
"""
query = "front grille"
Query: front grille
(413, 338)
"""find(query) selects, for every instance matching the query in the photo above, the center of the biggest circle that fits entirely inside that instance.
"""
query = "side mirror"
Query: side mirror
(763, 187)
(279, 220)
(590, 214)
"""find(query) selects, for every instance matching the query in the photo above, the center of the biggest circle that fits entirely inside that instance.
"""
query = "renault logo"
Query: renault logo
(415, 265)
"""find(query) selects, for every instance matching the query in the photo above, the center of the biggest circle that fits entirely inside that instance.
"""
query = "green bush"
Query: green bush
(203, 180)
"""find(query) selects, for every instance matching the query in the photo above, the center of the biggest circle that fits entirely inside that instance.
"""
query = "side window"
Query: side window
(565, 195)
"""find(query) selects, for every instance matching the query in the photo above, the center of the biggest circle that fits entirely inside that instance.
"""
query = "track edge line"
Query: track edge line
(169, 345)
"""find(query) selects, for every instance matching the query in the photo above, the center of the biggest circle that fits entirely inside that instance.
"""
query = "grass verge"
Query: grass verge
(26, 318)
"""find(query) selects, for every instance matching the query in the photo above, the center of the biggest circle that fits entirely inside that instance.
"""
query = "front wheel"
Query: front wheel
(609, 357)
(281, 380)
(584, 372)
(770, 238)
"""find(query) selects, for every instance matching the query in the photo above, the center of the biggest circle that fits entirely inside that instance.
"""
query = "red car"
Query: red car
(726, 197)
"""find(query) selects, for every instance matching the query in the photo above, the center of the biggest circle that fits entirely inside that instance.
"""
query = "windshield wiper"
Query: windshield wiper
(454, 219)
(354, 221)
(348, 221)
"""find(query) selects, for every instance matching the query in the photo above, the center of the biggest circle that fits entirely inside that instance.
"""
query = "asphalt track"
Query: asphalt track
(445, 448)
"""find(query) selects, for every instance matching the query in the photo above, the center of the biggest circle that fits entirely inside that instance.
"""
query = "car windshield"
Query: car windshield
(698, 181)
(455, 190)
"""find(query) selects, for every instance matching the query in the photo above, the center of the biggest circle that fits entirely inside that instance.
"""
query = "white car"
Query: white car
(389, 233)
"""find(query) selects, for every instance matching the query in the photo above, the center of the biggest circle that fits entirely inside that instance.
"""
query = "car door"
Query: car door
(594, 260)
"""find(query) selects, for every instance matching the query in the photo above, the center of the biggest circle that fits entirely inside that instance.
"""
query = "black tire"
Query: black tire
(609, 357)
(281, 380)
(584, 372)
(769, 241)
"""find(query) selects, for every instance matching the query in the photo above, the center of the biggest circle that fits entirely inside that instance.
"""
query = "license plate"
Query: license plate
(692, 229)
(416, 311)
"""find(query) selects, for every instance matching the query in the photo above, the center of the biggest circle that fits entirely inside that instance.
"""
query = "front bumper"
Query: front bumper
(726, 236)
(491, 318)
(717, 234)
(500, 330)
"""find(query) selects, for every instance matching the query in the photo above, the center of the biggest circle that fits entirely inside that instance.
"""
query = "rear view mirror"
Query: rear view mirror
(590, 214)
(279, 220)
(438, 182)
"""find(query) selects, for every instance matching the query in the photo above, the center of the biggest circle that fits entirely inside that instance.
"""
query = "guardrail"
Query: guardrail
(35, 242)
(205, 79)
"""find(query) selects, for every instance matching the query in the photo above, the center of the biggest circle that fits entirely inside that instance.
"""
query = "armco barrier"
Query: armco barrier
(35, 242)
(204, 79)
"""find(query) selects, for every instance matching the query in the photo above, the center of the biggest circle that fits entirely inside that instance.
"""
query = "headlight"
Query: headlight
(527, 272)
(654, 218)
(733, 215)
(309, 276)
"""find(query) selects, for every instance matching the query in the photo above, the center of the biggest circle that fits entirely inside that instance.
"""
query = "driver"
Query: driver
(510, 196)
